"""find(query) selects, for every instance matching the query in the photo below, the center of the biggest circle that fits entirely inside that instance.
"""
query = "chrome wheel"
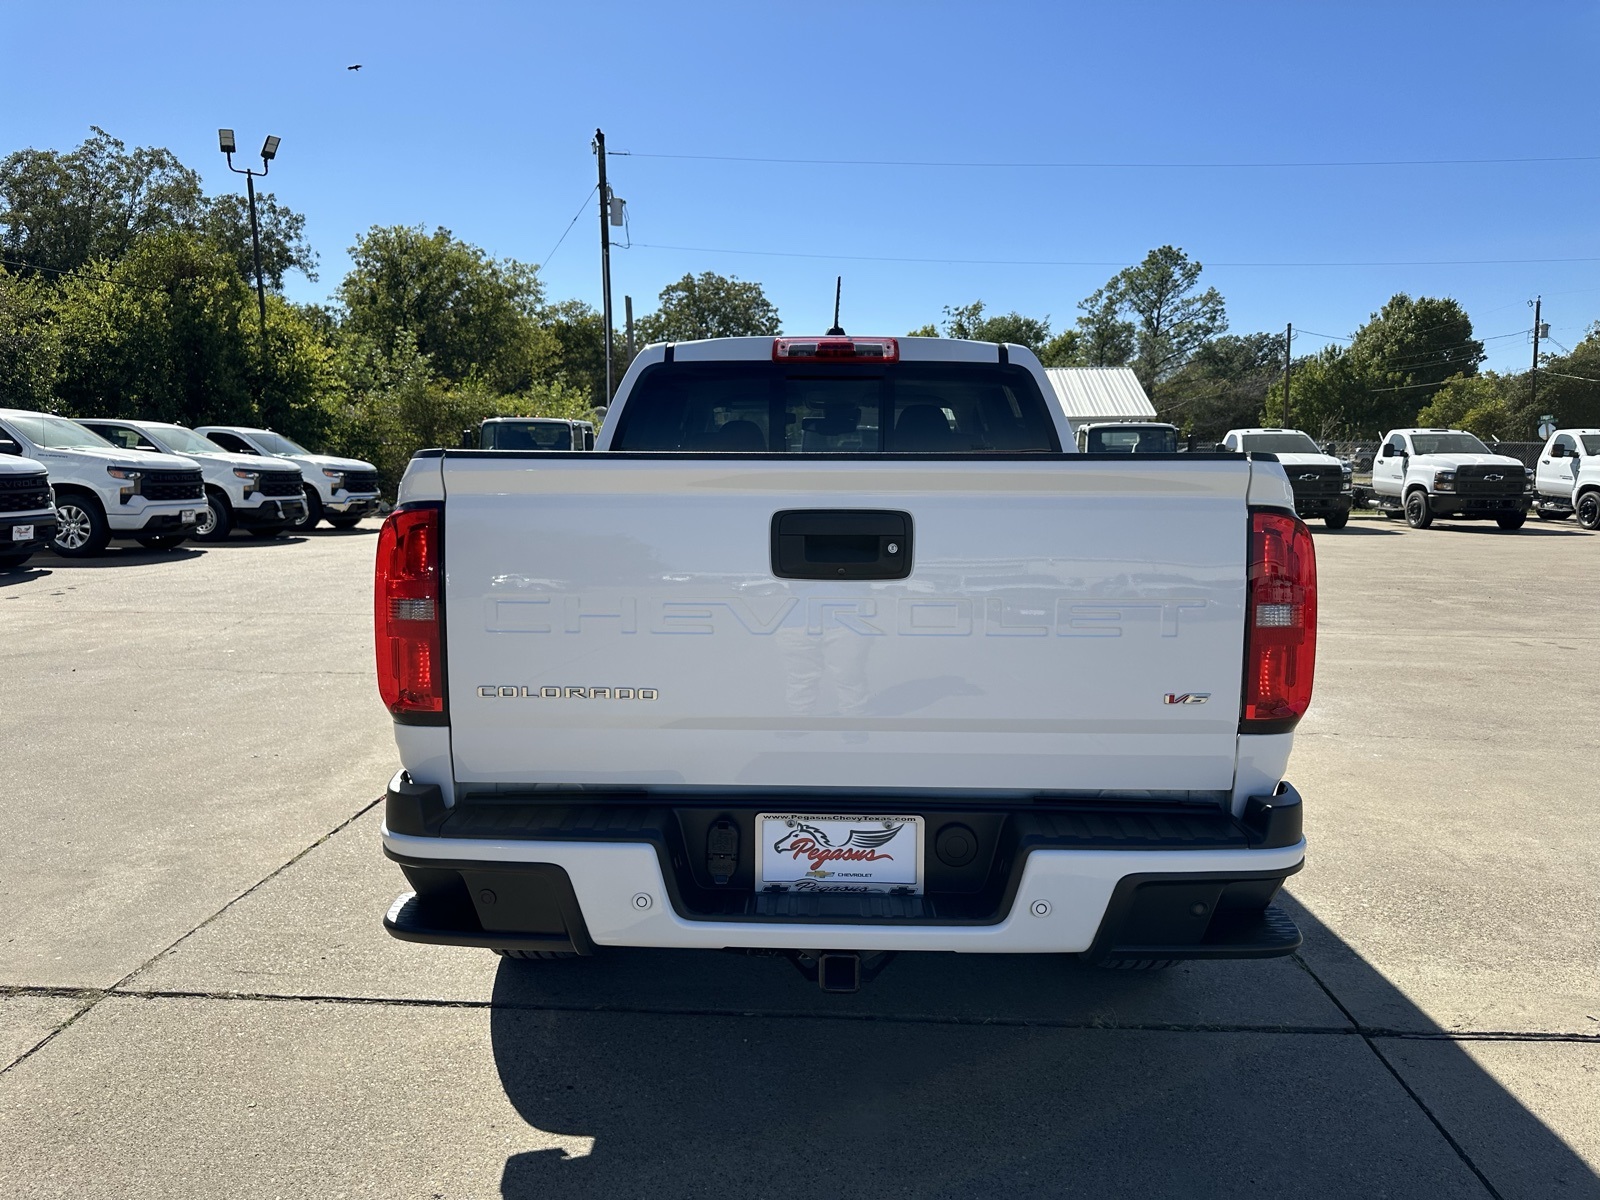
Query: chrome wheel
(1589, 510)
(74, 527)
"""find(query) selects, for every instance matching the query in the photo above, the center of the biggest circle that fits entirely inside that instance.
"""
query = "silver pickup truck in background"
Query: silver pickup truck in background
(836, 647)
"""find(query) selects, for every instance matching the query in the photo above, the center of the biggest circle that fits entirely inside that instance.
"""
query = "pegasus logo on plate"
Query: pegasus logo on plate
(809, 842)
(1186, 697)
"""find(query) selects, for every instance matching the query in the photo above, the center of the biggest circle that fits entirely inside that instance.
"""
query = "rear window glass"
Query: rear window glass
(789, 408)
(1150, 439)
(521, 435)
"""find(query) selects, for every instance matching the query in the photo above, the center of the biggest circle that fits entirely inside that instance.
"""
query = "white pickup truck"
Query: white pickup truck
(836, 648)
(1567, 479)
(102, 492)
(1446, 473)
(250, 492)
(1320, 481)
(343, 490)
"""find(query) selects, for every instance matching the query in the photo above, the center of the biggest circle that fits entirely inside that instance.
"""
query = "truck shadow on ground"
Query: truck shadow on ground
(237, 541)
(678, 1073)
(1361, 529)
(11, 576)
(125, 556)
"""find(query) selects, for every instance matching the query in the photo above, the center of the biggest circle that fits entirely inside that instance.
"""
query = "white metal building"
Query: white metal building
(1088, 394)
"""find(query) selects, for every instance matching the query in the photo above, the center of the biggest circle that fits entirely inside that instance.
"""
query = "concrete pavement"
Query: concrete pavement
(199, 999)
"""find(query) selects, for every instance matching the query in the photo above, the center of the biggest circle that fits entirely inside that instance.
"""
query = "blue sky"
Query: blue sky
(478, 116)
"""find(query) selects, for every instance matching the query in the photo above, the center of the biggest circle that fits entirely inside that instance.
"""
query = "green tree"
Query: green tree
(470, 316)
(709, 305)
(1065, 349)
(1569, 388)
(283, 237)
(1482, 404)
(1172, 317)
(1404, 354)
(1328, 397)
(1224, 385)
(967, 321)
(30, 347)
(1106, 338)
(578, 333)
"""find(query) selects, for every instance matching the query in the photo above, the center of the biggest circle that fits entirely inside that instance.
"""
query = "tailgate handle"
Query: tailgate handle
(837, 543)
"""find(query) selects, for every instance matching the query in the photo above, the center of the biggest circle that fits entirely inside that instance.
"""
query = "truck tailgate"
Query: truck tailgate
(616, 619)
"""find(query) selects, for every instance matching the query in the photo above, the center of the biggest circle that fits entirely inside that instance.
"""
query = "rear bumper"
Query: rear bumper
(622, 883)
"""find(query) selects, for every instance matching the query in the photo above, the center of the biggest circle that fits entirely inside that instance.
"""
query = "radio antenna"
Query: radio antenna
(838, 287)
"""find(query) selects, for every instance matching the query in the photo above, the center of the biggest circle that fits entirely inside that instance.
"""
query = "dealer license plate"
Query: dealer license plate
(188, 516)
(807, 852)
(22, 533)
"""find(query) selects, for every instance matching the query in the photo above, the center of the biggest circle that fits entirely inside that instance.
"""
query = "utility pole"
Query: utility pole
(1288, 357)
(627, 308)
(1533, 398)
(605, 248)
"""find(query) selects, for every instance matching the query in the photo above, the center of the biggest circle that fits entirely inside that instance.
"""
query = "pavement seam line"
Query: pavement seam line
(1388, 1066)
(97, 995)
(780, 1014)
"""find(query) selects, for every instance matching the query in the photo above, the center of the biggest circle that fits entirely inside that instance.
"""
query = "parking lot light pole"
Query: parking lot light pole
(269, 151)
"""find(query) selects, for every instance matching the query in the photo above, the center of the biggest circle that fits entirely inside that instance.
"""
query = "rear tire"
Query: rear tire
(313, 512)
(1419, 513)
(216, 519)
(1138, 964)
(81, 529)
(344, 522)
(1336, 520)
(1511, 520)
(536, 955)
(1589, 510)
(162, 541)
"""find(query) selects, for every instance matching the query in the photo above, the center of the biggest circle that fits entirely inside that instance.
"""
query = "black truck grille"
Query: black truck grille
(1491, 481)
(1315, 481)
(360, 481)
(172, 485)
(24, 493)
(280, 483)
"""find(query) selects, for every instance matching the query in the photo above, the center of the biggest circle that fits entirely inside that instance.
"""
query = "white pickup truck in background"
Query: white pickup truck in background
(1448, 474)
(1568, 477)
(102, 492)
(1320, 481)
(263, 495)
(342, 490)
(836, 647)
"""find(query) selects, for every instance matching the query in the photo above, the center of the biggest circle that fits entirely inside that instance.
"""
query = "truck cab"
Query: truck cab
(1127, 437)
(246, 491)
(1320, 481)
(1567, 479)
(103, 492)
(342, 490)
(836, 647)
(1423, 474)
(535, 433)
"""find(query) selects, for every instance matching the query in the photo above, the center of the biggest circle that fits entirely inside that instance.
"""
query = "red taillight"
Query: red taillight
(1280, 636)
(835, 349)
(406, 612)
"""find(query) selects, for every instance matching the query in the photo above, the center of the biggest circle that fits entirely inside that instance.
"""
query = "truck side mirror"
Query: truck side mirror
(466, 439)
(7, 446)
(1558, 451)
(1394, 450)
(1221, 448)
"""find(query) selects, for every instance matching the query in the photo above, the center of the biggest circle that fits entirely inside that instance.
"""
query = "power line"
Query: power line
(581, 208)
(1052, 262)
(1110, 165)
